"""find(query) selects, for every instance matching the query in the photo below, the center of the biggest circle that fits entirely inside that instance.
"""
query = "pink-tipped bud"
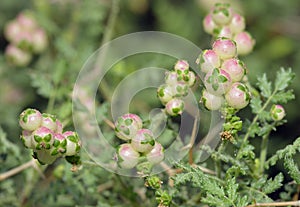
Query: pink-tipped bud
(236, 69)
(237, 23)
(175, 107)
(238, 96)
(191, 79)
(165, 93)
(49, 121)
(73, 143)
(127, 126)
(222, 13)
(40, 41)
(59, 145)
(12, 30)
(26, 21)
(224, 31)
(277, 112)
(217, 81)
(181, 67)
(171, 78)
(143, 141)
(127, 157)
(30, 119)
(244, 42)
(209, 25)
(225, 48)
(208, 60)
(156, 155)
(210, 101)
(43, 138)
(17, 56)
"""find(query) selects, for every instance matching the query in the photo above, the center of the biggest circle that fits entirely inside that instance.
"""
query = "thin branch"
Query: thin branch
(285, 203)
(16, 170)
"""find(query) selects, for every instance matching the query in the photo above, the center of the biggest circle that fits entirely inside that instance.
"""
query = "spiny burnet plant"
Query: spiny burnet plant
(235, 174)
(43, 134)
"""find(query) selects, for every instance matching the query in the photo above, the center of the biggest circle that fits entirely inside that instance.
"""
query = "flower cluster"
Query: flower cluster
(26, 37)
(222, 21)
(223, 73)
(43, 133)
(140, 144)
(177, 83)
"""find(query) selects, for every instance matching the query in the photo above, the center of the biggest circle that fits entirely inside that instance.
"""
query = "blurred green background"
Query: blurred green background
(77, 28)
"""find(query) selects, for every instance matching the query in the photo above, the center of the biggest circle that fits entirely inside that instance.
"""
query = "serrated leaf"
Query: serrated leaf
(292, 168)
(231, 189)
(273, 184)
(265, 86)
(283, 97)
(283, 78)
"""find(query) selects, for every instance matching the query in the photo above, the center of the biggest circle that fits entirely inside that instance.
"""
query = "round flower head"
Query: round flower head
(175, 107)
(127, 157)
(222, 13)
(127, 126)
(143, 141)
(225, 48)
(217, 81)
(156, 155)
(277, 112)
(30, 119)
(238, 96)
(42, 138)
(208, 60)
(244, 43)
(235, 67)
(210, 101)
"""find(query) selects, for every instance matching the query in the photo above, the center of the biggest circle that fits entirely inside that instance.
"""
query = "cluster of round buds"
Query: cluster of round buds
(223, 73)
(222, 21)
(140, 145)
(26, 37)
(43, 133)
(176, 86)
